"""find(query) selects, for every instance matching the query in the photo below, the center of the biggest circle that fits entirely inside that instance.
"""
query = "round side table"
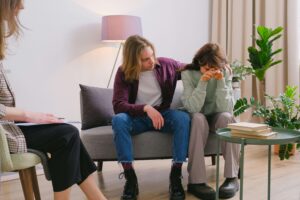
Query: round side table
(283, 136)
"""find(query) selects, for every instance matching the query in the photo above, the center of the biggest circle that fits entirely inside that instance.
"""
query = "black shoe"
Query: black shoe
(229, 188)
(202, 191)
(176, 190)
(131, 188)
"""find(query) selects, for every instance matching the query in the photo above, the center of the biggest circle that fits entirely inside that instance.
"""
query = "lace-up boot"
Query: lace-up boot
(176, 190)
(131, 188)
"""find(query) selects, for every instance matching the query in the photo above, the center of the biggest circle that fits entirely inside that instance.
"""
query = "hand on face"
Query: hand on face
(218, 75)
(210, 72)
(207, 76)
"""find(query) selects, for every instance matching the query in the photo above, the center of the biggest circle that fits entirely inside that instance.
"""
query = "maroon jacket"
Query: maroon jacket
(125, 92)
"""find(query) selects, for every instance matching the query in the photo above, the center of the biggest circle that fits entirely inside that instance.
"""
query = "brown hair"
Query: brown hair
(210, 54)
(133, 47)
(9, 22)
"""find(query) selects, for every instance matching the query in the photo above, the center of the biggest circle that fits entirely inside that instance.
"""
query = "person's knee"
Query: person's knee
(180, 121)
(198, 117)
(120, 121)
(180, 117)
(225, 117)
(69, 133)
(185, 117)
(121, 118)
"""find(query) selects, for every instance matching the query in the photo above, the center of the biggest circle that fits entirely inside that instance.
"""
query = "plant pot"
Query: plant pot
(276, 149)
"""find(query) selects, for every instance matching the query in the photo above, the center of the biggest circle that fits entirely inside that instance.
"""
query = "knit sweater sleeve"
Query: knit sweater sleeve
(194, 92)
(224, 94)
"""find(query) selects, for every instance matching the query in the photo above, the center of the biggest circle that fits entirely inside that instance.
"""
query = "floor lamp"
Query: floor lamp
(117, 28)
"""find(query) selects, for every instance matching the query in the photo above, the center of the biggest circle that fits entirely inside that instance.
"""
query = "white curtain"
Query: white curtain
(234, 23)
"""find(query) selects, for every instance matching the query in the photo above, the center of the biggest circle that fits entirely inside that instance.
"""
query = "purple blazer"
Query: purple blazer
(125, 93)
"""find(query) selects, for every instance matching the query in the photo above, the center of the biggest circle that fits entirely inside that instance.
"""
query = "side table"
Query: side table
(283, 136)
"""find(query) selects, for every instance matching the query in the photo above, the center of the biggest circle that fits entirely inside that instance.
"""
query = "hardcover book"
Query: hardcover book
(256, 132)
(247, 126)
(259, 136)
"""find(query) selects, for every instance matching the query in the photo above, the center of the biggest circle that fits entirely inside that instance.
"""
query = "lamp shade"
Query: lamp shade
(120, 27)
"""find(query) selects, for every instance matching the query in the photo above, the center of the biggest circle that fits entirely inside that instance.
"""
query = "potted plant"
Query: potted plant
(261, 57)
(282, 112)
(240, 72)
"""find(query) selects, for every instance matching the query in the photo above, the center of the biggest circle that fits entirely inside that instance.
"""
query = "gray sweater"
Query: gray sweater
(207, 97)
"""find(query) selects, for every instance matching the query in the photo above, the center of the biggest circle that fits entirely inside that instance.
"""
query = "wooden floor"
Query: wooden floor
(153, 179)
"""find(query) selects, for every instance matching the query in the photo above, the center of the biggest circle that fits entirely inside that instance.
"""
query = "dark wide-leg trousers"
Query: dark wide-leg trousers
(69, 162)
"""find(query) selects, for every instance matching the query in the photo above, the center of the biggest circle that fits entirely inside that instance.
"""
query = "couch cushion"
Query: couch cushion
(99, 143)
(96, 106)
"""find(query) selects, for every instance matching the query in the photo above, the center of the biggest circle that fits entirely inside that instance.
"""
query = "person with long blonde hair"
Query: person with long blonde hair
(69, 162)
(143, 91)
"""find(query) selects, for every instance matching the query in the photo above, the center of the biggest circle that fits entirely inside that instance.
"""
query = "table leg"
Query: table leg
(242, 169)
(269, 172)
(217, 169)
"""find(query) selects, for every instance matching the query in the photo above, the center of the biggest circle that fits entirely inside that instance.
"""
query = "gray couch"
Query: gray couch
(97, 134)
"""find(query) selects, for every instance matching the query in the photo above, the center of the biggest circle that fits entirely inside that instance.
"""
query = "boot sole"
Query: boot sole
(227, 195)
(134, 198)
(203, 197)
(177, 198)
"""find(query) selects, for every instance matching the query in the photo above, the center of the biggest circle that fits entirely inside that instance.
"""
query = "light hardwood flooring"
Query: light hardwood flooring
(153, 179)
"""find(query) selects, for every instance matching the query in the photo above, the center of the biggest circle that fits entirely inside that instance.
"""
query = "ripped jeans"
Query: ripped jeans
(176, 122)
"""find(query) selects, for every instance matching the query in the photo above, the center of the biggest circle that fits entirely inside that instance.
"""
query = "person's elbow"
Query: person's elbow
(191, 109)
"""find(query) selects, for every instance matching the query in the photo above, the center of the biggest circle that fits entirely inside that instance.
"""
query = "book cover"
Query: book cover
(247, 126)
(259, 136)
(255, 132)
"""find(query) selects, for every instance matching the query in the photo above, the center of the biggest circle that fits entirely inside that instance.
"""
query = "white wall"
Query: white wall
(61, 46)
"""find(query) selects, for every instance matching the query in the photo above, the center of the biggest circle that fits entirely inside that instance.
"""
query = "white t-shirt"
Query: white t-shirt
(149, 91)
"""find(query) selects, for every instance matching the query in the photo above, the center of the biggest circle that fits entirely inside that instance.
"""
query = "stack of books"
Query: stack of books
(251, 130)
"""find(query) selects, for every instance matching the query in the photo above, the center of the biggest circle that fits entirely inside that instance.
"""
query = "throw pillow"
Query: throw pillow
(96, 106)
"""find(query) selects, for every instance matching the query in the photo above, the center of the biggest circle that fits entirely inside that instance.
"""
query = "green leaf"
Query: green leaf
(275, 38)
(276, 31)
(240, 106)
(260, 58)
(276, 52)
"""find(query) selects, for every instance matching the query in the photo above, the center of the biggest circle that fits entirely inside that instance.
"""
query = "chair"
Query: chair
(24, 163)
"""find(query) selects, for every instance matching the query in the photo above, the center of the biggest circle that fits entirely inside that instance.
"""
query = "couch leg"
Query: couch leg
(99, 166)
(213, 160)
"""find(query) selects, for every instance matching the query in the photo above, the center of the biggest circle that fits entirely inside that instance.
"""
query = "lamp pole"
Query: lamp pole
(113, 69)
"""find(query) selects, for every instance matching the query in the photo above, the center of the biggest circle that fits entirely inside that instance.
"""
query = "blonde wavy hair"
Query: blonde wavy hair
(132, 63)
(9, 22)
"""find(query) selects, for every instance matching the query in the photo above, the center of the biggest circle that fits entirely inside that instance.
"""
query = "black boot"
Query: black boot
(131, 188)
(229, 188)
(202, 191)
(176, 190)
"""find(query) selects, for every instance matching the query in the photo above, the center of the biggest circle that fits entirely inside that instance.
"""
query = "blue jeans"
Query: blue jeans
(175, 122)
